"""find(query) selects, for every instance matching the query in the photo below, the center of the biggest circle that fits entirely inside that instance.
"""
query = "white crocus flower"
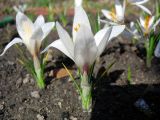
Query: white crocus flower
(32, 34)
(139, 3)
(117, 14)
(148, 23)
(84, 48)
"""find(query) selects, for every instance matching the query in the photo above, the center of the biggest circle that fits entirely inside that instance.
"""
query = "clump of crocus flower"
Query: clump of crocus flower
(147, 27)
(139, 3)
(32, 35)
(84, 48)
(116, 16)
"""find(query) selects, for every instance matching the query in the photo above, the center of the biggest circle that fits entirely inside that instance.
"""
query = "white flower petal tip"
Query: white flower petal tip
(102, 39)
(45, 49)
(47, 27)
(80, 17)
(24, 26)
(157, 50)
(78, 3)
(14, 41)
(39, 21)
(65, 38)
(144, 9)
(119, 10)
(60, 46)
(117, 30)
(140, 2)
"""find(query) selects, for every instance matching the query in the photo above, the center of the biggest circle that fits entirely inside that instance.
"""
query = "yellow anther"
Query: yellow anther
(76, 28)
(146, 24)
(113, 14)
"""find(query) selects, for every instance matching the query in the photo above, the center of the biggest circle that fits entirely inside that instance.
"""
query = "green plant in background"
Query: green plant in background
(146, 27)
(129, 75)
(95, 23)
(51, 12)
(63, 18)
(32, 35)
(157, 6)
(84, 50)
(44, 3)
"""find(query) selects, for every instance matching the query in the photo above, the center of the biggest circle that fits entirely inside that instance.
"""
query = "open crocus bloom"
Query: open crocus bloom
(32, 34)
(84, 48)
(139, 3)
(117, 14)
(147, 23)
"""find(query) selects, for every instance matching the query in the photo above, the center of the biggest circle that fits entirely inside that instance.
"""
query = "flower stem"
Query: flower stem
(86, 93)
(39, 73)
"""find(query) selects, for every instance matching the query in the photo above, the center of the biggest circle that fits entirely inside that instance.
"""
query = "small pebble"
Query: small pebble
(11, 63)
(60, 105)
(133, 48)
(51, 73)
(26, 79)
(73, 118)
(19, 83)
(35, 94)
(143, 107)
(32, 81)
(40, 117)
(2, 106)
(141, 104)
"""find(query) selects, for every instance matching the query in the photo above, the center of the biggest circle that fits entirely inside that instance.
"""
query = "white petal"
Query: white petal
(85, 47)
(134, 31)
(157, 50)
(157, 22)
(60, 46)
(47, 27)
(78, 3)
(142, 22)
(133, 28)
(24, 25)
(151, 22)
(65, 38)
(80, 17)
(35, 41)
(102, 38)
(39, 21)
(119, 10)
(107, 14)
(124, 7)
(108, 23)
(138, 1)
(144, 9)
(14, 41)
(116, 30)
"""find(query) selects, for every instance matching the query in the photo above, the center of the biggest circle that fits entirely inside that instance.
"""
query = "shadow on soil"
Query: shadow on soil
(112, 102)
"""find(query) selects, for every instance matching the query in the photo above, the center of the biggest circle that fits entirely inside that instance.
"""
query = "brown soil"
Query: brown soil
(113, 96)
